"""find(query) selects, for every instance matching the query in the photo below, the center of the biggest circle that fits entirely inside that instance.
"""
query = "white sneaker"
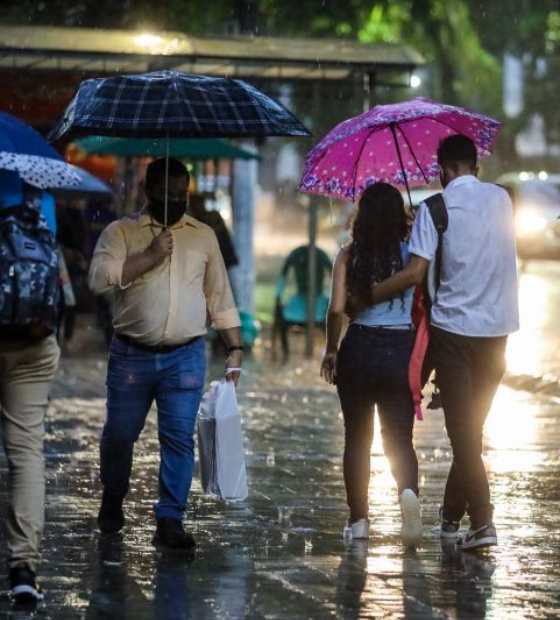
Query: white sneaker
(411, 532)
(359, 530)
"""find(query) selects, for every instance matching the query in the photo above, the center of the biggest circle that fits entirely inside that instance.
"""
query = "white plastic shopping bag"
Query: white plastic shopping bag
(220, 444)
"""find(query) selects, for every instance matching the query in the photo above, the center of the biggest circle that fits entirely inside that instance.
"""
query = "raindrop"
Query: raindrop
(271, 459)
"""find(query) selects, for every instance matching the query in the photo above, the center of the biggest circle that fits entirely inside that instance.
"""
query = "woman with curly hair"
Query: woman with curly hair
(371, 366)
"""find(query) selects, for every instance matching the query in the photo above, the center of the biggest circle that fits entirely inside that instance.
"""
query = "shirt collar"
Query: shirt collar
(145, 219)
(464, 178)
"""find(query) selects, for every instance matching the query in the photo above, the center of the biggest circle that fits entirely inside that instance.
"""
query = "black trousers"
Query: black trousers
(372, 369)
(468, 372)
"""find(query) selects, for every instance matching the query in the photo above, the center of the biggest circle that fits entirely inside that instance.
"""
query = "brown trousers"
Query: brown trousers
(26, 374)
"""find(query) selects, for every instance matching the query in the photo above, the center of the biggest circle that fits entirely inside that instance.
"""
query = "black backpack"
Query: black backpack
(438, 211)
(29, 280)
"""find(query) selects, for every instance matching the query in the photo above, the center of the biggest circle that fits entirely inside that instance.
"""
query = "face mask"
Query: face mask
(175, 210)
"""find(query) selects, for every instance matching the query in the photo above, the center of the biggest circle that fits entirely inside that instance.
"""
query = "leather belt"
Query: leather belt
(158, 348)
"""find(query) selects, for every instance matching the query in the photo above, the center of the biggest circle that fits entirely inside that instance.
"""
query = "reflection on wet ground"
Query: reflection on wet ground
(280, 554)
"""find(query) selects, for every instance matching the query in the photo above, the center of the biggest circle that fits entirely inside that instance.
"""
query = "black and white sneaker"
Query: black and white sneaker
(448, 528)
(23, 585)
(483, 536)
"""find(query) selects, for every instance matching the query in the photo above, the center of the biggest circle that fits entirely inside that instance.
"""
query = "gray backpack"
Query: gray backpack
(29, 280)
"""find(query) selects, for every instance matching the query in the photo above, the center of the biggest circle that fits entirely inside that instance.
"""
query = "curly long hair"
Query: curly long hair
(379, 227)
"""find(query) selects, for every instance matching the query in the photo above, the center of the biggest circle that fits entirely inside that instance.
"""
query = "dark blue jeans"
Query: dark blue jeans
(372, 369)
(135, 378)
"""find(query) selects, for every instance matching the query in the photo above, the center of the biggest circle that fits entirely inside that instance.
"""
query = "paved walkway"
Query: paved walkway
(281, 554)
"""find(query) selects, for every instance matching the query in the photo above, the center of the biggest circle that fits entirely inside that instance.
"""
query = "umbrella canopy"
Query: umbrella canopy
(200, 148)
(89, 187)
(394, 143)
(25, 151)
(173, 104)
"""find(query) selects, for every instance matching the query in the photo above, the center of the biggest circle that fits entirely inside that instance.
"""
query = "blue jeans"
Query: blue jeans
(135, 378)
(372, 369)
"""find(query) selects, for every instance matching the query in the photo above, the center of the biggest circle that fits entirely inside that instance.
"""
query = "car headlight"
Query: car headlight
(528, 223)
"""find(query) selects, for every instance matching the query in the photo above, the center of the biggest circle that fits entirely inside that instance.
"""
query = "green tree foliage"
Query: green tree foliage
(464, 72)
(463, 41)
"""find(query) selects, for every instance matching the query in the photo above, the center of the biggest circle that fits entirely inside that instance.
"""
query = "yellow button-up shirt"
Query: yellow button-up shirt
(167, 305)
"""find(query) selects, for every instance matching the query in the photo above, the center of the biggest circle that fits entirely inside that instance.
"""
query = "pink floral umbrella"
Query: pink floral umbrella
(395, 143)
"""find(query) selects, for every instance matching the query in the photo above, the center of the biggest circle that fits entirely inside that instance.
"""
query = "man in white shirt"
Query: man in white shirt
(474, 311)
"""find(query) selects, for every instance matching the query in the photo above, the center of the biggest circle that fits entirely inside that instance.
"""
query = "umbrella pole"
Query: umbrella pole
(166, 177)
(393, 131)
(311, 278)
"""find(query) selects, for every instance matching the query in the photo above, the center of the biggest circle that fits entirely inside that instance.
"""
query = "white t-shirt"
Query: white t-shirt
(477, 295)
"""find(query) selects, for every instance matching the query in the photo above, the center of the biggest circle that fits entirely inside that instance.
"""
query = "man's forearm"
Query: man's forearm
(136, 266)
(391, 287)
(411, 275)
(231, 336)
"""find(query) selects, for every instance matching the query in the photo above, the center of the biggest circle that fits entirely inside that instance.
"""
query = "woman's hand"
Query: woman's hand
(328, 368)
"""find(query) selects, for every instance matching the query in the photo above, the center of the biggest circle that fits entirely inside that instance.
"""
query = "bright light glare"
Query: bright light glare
(510, 432)
(415, 81)
(524, 176)
(528, 348)
(148, 40)
(528, 223)
(543, 176)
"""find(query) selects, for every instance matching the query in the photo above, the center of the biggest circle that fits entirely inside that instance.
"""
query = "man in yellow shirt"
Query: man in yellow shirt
(166, 272)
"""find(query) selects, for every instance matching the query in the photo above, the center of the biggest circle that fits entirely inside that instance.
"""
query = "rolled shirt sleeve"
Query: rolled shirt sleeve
(217, 290)
(424, 237)
(105, 273)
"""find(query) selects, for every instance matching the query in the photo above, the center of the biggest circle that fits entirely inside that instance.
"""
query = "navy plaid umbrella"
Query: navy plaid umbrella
(173, 104)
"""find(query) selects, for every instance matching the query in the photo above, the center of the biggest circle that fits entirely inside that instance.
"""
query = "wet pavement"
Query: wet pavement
(280, 554)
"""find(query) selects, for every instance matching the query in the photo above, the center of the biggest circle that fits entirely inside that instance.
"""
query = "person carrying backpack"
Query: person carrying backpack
(29, 353)
(474, 310)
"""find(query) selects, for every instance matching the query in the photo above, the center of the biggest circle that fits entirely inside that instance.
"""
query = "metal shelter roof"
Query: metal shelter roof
(125, 51)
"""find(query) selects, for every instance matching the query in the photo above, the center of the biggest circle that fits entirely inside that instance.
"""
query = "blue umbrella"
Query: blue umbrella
(25, 151)
(174, 104)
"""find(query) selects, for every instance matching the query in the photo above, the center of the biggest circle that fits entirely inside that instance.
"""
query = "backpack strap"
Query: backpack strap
(438, 211)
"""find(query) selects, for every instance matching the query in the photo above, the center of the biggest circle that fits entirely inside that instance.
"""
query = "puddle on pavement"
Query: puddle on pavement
(281, 553)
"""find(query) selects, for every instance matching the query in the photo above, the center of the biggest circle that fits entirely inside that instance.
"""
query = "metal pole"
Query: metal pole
(366, 92)
(243, 275)
(312, 254)
(311, 277)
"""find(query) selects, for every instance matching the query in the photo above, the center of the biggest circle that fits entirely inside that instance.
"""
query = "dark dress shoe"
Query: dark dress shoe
(170, 534)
